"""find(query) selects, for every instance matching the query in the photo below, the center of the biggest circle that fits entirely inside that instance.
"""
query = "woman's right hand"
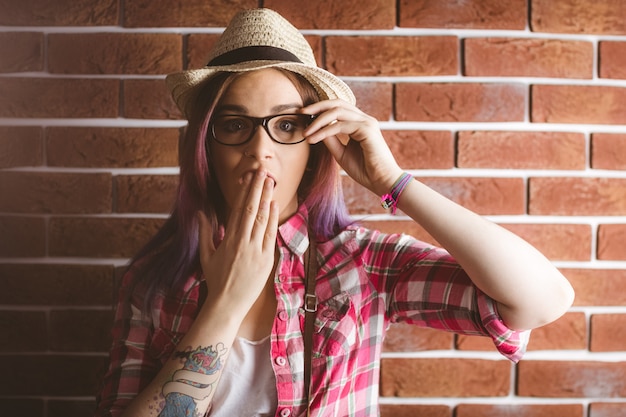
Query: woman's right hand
(237, 270)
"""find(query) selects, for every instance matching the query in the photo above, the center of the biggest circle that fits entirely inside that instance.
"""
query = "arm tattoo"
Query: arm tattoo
(194, 382)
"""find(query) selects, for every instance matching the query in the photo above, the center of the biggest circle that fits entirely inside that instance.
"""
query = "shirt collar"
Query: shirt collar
(294, 233)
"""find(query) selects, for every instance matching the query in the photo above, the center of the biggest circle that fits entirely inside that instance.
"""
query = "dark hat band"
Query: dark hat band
(253, 53)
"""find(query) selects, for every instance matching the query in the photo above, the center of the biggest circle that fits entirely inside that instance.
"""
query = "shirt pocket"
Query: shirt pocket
(163, 344)
(335, 329)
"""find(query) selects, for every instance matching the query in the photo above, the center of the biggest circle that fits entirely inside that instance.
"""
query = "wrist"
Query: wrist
(390, 199)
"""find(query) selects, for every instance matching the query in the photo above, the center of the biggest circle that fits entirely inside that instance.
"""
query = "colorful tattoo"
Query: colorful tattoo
(194, 382)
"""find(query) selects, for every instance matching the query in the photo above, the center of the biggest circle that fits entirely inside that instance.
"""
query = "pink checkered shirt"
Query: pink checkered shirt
(366, 281)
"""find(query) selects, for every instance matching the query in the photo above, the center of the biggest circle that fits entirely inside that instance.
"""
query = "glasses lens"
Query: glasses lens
(231, 130)
(288, 128)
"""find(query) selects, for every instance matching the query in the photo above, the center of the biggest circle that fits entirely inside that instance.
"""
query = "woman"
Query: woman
(217, 314)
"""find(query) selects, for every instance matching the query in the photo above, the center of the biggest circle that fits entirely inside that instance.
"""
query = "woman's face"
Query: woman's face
(261, 93)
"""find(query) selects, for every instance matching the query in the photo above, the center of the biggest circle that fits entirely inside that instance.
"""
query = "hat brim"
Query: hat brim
(184, 85)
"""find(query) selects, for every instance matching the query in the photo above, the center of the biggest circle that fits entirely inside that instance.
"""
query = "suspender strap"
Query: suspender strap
(310, 307)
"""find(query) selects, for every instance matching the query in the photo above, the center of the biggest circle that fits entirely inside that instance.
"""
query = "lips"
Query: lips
(254, 171)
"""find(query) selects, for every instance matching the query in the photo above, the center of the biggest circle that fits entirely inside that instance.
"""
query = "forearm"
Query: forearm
(529, 290)
(189, 378)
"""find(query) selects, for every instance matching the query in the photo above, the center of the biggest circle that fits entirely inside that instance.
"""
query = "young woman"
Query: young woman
(214, 312)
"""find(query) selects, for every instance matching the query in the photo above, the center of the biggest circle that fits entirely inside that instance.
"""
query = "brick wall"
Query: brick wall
(516, 109)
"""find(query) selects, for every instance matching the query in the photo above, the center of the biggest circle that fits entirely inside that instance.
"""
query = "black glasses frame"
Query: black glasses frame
(260, 121)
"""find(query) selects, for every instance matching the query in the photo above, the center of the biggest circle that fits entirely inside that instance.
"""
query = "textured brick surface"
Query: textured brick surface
(558, 242)
(578, 104)
(22, 236)
(403, 337)
(114, 53)
(598, 287)
(21, 51)
(375, 99)
(608, 333)
(421, 149)
(577, 196)
(80, 331)
(23, 331)
(53, 97)
(574, 16)
(460, 102)
(35, 192)
(608, 151)
(526, 410)
(444, 378)
(145, 194)
(20, 146)
(59, 13)
(599, 409)
(571, 379)
(392, 56)
(390, 410)
(528, 58)
(611, 241)
(112, 147)
(521, 150)
(183, 13)
(472, 14)
(347, 14)
(612, 60)
(148, 99)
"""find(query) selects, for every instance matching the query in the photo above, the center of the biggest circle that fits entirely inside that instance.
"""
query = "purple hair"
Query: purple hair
(171, 256)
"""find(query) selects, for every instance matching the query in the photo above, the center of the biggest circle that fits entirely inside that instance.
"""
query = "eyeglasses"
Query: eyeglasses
(235, 129)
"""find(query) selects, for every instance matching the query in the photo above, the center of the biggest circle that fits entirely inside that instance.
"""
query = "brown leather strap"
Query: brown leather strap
(310, 307)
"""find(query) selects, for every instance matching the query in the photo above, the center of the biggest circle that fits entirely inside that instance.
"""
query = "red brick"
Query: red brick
(61, 13)
(612, 59)
(80, 330)
(114, 53)
(21, 51)
(46, 192)
(578, 104)
(598, 409)
(444, 377)
(577, 196)
(575, 16)
(347, 14)
(608, 151)
(421, 149)
(402, 337)
(56, 97)
(20, 146)
(521, 150)
(22, 236)
(392, 55)
(571, 379)
(567, 333)
(611, 241)
(100, 237)
(183, 13)
(472, 14)
(598, 287)
(23, 331)
(145, 193)
(97, 147)
(482, 195)
(81, 375)
(520, 410)
(462, 102)
(57, 285)
(414, 410)
(373, 98)
(515, 57)
(70, 408)
(608, 333)
(558, 242)
(148, 99)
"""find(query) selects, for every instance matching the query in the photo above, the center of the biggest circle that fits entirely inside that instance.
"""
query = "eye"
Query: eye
(290, 124)
(232, 125)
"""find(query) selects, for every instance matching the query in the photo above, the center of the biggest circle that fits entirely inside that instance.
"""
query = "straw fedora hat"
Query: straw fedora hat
(256, 39)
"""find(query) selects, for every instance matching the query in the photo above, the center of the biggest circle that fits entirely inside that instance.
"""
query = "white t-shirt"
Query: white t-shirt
(247, 386)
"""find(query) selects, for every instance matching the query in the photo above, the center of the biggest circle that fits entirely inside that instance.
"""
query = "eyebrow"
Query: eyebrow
(235, 108)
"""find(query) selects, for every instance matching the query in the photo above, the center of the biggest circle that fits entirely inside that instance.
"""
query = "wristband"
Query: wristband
(390, 201)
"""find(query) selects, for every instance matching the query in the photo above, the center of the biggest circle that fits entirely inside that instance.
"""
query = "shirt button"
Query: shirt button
(283, 315)
(281, 277)
(285, 412)
(281, 361)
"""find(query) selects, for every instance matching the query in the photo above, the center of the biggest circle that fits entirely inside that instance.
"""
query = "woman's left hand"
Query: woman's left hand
(364, 154)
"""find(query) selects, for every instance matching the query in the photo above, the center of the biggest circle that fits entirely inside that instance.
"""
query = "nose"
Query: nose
(261, 146)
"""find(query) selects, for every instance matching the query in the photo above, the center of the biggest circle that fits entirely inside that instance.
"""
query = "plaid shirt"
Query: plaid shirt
(366, 280)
